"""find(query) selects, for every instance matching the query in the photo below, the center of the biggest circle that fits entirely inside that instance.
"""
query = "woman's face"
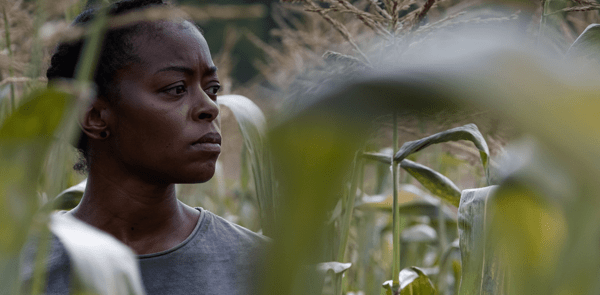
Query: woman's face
(164, 125)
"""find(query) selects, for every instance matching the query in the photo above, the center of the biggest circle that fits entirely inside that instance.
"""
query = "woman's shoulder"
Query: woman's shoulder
(220, 228)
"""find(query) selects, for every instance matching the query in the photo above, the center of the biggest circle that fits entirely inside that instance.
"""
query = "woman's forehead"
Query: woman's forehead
(171, 41)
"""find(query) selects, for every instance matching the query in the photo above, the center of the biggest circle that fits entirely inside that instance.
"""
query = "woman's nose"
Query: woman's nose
(205, 108)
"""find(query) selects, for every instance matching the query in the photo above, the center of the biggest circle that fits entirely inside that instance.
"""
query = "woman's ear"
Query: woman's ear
(95, 121)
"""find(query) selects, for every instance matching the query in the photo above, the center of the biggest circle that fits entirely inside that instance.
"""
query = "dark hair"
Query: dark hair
(117, 52)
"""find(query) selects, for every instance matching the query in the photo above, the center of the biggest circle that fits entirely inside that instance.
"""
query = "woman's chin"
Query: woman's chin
(201, 176)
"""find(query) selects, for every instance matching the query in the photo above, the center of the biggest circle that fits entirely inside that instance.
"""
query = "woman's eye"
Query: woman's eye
(213, 90)
(177, 90)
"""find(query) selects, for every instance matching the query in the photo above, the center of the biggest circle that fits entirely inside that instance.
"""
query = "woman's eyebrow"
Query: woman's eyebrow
(186, 70)
(210, 71)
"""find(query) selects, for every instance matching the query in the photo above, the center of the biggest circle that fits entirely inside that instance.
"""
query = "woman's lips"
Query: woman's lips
(207, 147)
(209, 142)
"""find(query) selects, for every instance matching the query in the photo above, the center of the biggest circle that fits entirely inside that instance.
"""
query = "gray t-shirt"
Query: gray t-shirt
(219, 257)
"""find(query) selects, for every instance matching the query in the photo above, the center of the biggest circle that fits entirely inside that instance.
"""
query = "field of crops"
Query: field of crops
(386, 147)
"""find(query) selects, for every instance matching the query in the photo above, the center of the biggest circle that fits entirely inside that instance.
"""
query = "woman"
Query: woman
(151, 125)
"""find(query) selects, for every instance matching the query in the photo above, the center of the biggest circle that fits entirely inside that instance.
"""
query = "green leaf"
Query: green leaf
(25, 138)
(482, 271)
(102, 265)
(468, 132)
(413, 201)
(449, 274)
(434, 181)
(253, 127)
(68, 198)
(413, 281)
(379, 157)
(333, 266)
(587, 45)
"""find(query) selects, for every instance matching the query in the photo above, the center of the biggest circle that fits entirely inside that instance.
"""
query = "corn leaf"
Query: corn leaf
(333, 266)
(450, 267)
(68, 198)
(587, 45)
(413, 202)
(434, 181)
(482, 271)
(253, 127)
(468, 132)
(413, 281)
(25, 138)
(102, 264)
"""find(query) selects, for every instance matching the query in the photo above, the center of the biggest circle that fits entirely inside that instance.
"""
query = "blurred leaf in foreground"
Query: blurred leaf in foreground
(102, 265)
(25, 138)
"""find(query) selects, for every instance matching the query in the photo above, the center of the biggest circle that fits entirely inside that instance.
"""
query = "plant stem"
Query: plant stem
(10, 55)
(395, 212)
(349, 205)
(442, 240)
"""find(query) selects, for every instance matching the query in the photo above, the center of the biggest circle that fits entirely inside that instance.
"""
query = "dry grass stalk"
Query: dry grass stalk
(430, 27)
(224, 61)
(422, 13)
(382, 12)
(577, 8)
(339, 27)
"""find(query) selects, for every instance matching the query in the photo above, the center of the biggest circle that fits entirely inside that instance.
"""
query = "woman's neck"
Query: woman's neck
(146, 217)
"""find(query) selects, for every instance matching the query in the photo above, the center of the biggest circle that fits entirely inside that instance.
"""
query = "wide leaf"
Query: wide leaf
(102, 264)
(25, 138)
(468, 132)
(482, 272)
(253, 127)
(587, 45)
(413, 281)
(434, 181)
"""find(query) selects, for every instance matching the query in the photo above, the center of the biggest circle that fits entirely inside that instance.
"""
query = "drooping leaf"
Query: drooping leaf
(434, 181)
(102, 264)
(253, 127)
(413, 281)
(379, 157)
(468, 132)
(587, 45)
(413, 201)
(334, 266)
(68, 198)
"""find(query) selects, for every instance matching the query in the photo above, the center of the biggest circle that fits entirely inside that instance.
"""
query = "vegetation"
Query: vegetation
(323, 177)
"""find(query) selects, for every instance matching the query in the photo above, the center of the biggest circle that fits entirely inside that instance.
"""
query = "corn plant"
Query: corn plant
(534, 233)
